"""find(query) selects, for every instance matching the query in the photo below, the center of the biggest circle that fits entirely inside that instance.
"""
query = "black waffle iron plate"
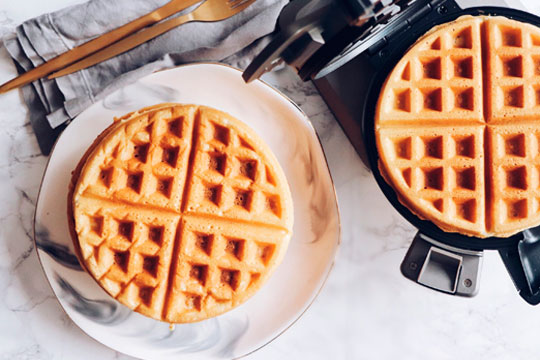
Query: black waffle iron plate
(444, 261)
(364, 40)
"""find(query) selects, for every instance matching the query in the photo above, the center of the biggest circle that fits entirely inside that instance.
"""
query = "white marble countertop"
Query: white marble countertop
(367, 309)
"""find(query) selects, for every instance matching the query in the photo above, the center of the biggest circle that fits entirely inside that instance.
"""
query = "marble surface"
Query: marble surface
(367, 310)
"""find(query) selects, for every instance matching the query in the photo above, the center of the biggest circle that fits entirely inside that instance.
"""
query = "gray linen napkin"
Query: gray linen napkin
(53, 103)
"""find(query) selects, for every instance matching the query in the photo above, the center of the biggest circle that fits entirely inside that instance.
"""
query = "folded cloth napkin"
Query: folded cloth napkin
(53, 103)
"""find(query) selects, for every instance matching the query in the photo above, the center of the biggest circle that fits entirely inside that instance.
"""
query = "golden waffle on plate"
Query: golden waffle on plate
(180, 212)
(458, 125)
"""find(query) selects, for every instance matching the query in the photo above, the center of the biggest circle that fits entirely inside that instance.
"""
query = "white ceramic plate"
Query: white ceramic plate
(279, 303)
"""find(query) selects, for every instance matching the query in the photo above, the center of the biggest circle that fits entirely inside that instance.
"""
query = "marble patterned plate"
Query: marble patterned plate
(291, 289)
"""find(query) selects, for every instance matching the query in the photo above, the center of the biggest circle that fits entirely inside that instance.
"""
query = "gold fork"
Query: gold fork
(209, 11)
(81, 51)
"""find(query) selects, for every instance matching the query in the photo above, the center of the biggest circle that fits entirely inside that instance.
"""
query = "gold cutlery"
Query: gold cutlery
(209, 11)
(90, 47)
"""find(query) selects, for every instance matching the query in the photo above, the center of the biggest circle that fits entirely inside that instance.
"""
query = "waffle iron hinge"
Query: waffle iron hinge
(405, 25)
(391, 18)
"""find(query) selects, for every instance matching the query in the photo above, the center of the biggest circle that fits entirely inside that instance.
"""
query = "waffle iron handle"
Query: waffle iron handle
(523, 263)
(440, 267)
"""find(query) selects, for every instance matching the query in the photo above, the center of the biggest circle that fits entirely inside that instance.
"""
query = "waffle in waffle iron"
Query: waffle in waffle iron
(458, 127)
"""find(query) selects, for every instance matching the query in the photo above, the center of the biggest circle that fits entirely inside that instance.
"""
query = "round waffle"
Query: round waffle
(180, 212)
(457, 127)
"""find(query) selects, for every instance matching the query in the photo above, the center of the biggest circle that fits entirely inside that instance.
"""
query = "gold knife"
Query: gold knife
(92, 46)
(209, 11)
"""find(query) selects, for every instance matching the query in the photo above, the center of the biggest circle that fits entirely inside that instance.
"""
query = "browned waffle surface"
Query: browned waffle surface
(457, 125)
(513, 60)
(442, 74)
(231, 177)
(515, 167)
(181, 212)
(438, 171)
(218, 266)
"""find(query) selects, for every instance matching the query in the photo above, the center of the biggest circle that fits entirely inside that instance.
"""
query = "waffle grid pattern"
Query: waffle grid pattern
(514, 84)
(420, 142)
(128, 251)
(156, 258)
(217, 265)
(444, 170)
(230, 179)
(516, 173)
(444, 77)
(150, 166)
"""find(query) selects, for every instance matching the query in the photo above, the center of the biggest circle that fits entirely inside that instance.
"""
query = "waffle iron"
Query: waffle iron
(365, 40)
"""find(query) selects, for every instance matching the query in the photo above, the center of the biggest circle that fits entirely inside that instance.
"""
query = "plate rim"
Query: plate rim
(307, 122)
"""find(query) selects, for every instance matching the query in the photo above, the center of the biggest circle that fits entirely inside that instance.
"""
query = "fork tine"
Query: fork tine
(239, 5)
(233, 3)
